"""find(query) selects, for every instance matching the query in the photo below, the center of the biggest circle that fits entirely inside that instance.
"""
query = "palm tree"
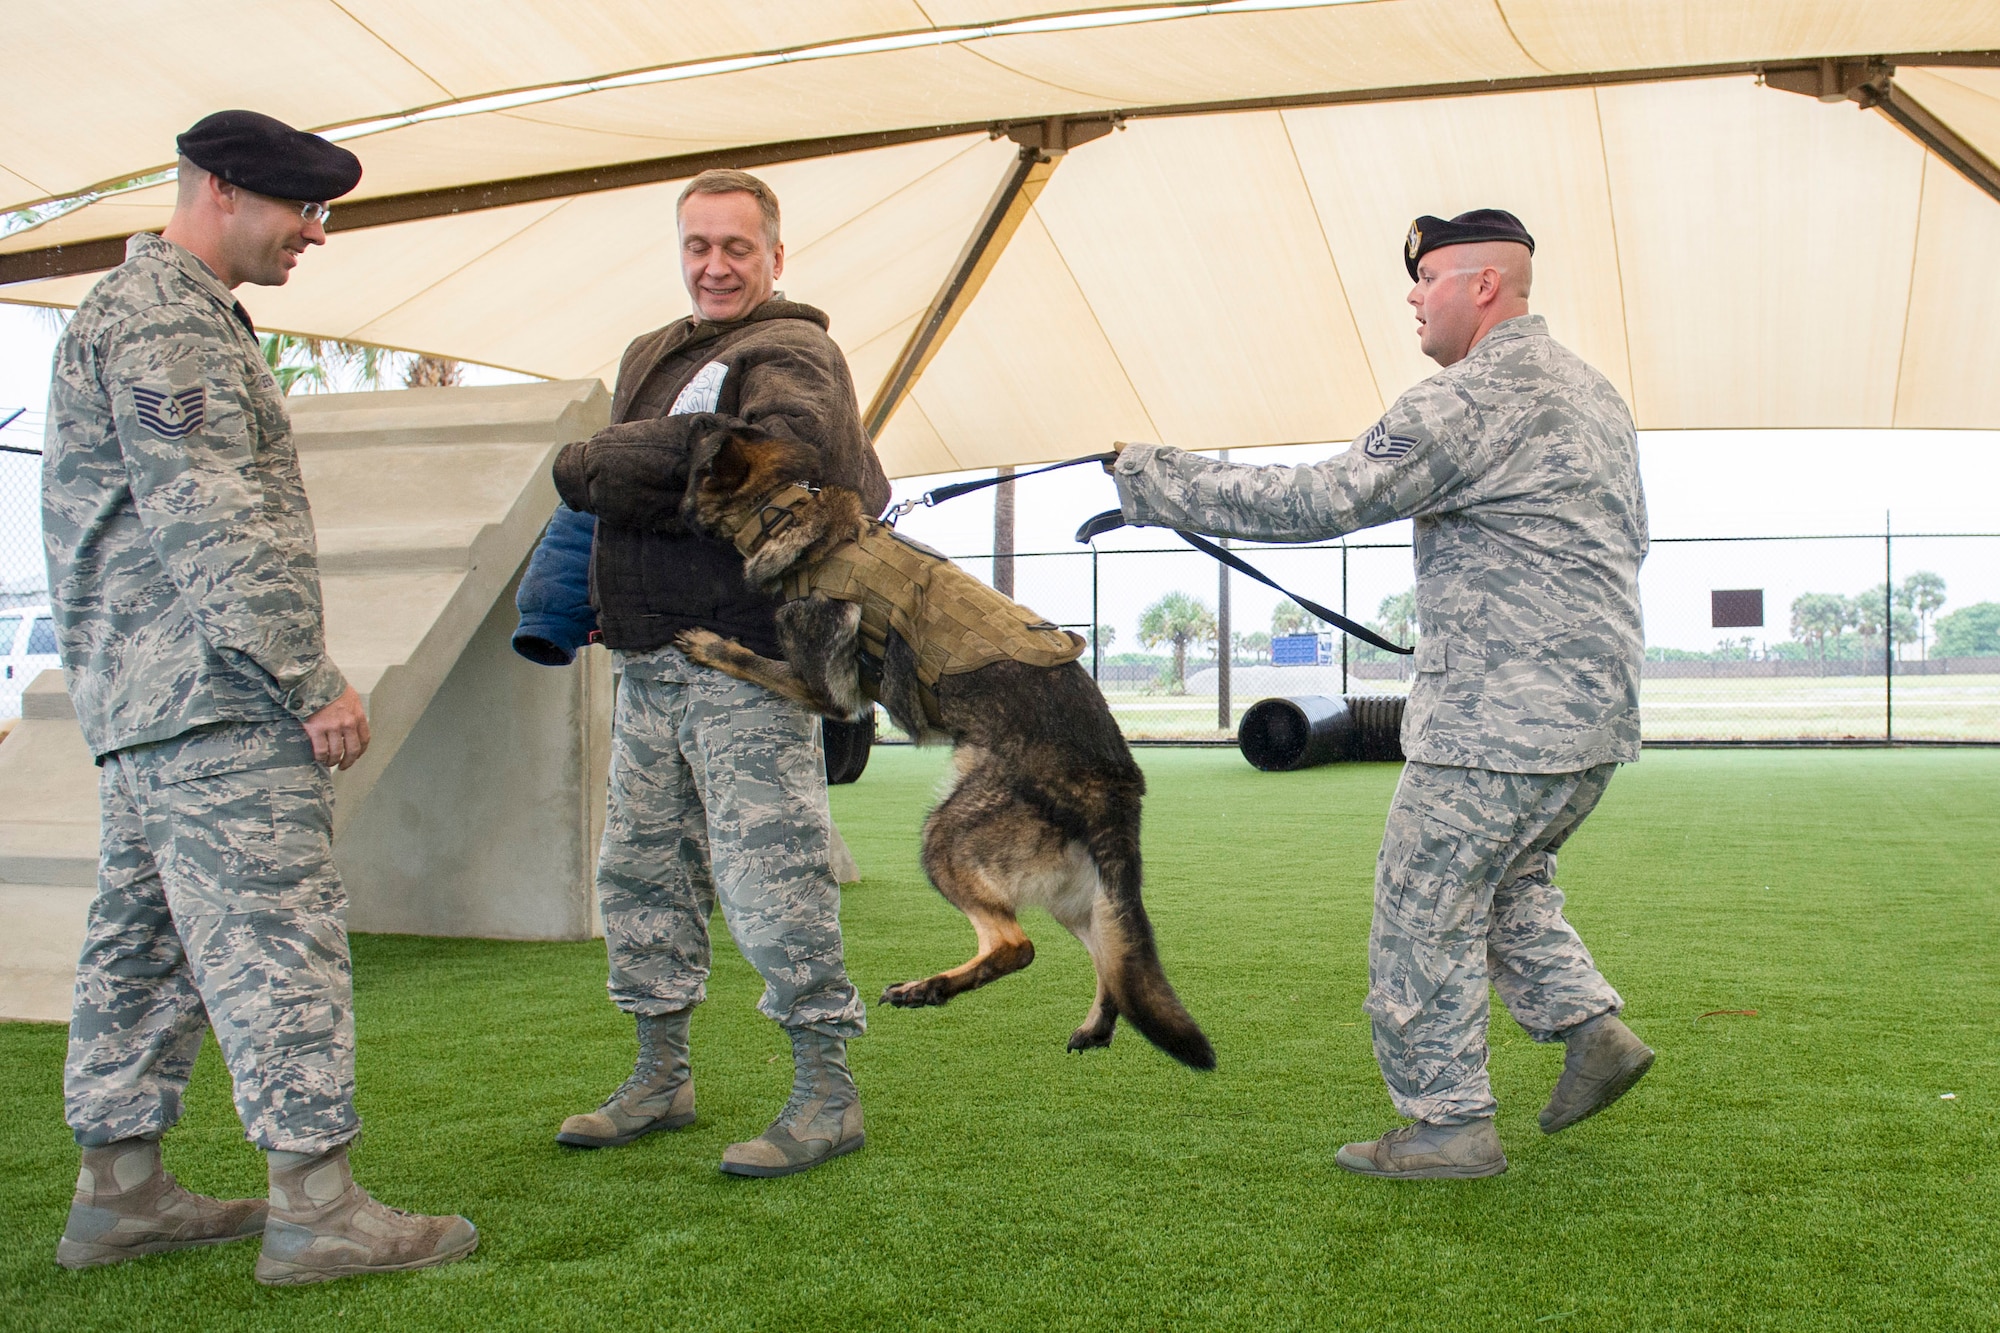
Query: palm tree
(1923, 593)
(1867, 619)
(1178, 618)
(1398, 618)
(311, 365)
(1288, 617)
(1256, 645)
(433, 372)
(1819, 616)
(298, 362)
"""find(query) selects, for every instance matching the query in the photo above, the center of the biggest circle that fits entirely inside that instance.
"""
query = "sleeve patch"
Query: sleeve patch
(1377, 443)
(171, 414)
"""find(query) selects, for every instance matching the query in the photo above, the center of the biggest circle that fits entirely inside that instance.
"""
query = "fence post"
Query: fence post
(1222, 643)
(1096, 625)
(1888, 633)
(1345, 612)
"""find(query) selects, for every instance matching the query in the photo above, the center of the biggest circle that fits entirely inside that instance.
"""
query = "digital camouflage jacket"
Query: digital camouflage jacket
(182, 564)
(1520, 468)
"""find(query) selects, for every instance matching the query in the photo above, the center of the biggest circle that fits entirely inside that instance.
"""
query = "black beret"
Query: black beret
(255, 152)
(1481, 224)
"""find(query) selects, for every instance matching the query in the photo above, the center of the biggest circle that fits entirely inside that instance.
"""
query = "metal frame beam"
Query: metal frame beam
(1872, 85)
(1916, 121)
(1042, 145)
(92, 255)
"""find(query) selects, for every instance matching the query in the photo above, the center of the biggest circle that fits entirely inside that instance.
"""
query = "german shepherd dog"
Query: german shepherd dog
(1044, 810)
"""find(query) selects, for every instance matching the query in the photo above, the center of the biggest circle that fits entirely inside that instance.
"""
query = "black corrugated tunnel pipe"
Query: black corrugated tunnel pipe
(847, 747)
(1302, 731)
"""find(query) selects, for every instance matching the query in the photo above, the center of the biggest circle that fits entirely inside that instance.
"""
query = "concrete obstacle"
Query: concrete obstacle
(478, 807)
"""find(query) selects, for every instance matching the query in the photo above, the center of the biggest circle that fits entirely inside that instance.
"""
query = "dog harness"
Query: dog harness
(952, 621)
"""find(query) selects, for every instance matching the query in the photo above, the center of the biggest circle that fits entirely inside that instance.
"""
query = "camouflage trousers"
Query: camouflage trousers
(718, 795)
(1465, 891)
(217, 905)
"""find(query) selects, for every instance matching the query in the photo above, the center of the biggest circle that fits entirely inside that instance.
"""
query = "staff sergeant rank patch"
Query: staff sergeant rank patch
(1377, 443)
(171, 415)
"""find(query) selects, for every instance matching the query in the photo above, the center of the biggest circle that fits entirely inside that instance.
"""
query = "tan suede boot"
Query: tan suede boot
(1428, 1152)
(324, 1226)
(820, 1122)
(127, 1205)
(1603, 1059)
(659, 1094)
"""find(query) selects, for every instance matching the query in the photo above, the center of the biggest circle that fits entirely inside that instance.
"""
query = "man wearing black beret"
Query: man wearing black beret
(186, 587)
(1519, 466)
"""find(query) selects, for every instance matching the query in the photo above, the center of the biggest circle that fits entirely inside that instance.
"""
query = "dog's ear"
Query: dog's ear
(720, 462)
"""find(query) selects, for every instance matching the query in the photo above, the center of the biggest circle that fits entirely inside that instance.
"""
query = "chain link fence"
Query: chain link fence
(1856, 638)
(1860, 638)
(27, 636)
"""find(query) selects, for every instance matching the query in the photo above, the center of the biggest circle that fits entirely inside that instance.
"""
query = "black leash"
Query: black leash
(958, 488)
(1333, 618)
(1112, 519)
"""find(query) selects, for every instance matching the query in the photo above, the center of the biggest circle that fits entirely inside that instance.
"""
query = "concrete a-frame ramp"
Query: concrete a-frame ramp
(475, 809)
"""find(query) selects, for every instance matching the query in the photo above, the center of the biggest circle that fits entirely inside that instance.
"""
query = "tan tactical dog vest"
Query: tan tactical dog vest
(952, 621)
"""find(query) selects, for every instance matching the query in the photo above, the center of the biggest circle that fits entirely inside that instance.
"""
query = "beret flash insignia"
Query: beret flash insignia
(1416, 239)
(170, 415)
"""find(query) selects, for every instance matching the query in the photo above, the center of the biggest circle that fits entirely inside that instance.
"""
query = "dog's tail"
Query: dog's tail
(1133, 972)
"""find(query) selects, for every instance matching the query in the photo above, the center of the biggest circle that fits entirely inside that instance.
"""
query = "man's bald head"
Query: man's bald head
(1464, 290)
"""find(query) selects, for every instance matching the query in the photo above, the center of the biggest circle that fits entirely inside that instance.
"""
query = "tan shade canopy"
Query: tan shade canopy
(1731, 255)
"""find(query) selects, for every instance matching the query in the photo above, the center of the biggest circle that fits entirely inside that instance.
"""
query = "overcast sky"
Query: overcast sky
(1698, 484)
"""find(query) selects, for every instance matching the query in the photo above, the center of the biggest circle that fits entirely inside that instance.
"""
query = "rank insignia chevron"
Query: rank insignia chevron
(171, 415)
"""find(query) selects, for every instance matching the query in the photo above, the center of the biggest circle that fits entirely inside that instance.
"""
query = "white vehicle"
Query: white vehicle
(27, 648)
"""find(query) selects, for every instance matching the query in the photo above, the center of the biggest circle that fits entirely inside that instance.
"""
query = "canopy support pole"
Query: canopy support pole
(1042, 146)
(1917, 122)
(1871, 83)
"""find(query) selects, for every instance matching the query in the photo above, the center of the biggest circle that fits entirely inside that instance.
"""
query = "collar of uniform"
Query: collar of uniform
(151, 245)
(777, 307)
(772, 517)
(1521, 326)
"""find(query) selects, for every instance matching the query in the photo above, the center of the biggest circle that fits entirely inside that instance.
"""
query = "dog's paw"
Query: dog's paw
(917, 994)
(1089, 1039)
(701, 645)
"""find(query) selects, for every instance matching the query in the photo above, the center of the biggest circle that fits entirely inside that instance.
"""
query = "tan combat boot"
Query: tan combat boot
(821, 1121)
(658, 1095)
(1603, 1059)
(127, 1204)
(323, 1226)
(1429, 1152)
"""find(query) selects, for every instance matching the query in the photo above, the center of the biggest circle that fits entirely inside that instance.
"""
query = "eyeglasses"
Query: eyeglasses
(316, 212)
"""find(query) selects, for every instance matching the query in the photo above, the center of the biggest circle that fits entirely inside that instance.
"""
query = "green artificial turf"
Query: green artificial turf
(1796, 1169)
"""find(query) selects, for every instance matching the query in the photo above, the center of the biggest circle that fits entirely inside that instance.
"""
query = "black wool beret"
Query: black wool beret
(255, 152)
(1481, 224)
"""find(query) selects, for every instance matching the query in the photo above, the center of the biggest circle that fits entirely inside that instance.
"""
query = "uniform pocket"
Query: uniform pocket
(250, 840)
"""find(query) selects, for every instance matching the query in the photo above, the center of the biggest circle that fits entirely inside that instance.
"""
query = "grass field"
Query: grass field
(1800, 1169)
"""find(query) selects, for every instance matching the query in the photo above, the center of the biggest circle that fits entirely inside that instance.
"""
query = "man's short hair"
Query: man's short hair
(725, 180)
(186, 175)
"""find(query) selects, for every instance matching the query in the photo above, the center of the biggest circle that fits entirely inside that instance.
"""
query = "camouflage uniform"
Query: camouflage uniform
(184, 575)
(218, 903)
(718, 792)
(1519, 467)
